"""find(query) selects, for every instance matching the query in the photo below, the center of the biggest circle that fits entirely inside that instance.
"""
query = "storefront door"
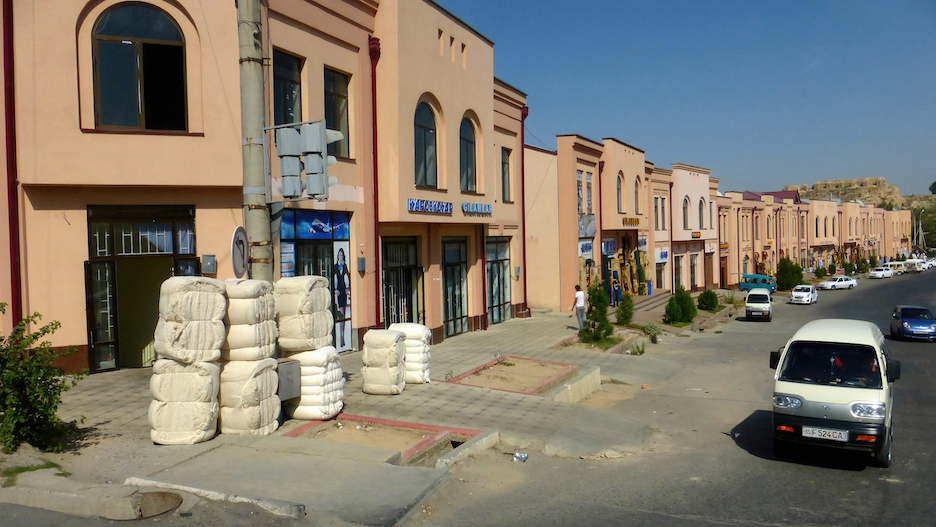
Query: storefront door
(454, 286)
(403, 292)
(498, 275)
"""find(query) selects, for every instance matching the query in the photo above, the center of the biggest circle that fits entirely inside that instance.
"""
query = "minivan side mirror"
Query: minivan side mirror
(893, 370)
(775, 359)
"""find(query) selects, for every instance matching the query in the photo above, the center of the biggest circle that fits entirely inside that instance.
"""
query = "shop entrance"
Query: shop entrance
(454, 285)
(498, 275)
(403, 289)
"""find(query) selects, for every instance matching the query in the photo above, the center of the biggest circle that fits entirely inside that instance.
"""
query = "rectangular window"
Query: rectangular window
(588, 190)
(336, 110)
(656, 213)
(287, 102)
(578, 183)
(663, 212)
(505, 174)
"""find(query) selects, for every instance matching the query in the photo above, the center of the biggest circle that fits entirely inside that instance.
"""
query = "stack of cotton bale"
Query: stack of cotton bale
(321, 383)
(185, 381)
(416, 359)
(303, 313)
(249, 404)
(384, 372)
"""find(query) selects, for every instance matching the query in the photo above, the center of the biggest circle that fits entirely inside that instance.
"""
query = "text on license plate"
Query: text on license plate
(825, 433)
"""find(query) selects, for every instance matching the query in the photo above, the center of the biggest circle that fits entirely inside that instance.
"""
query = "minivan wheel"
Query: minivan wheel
(884, 456)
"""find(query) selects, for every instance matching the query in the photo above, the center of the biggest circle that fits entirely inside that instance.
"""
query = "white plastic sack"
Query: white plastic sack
(314, 325)
(312, 413)
(183, 298)
(183, 416)
(250, 335)
(247, 383)
(299, 345)
(174, 381)
(250, 417)
(319, 357)
(250, 310)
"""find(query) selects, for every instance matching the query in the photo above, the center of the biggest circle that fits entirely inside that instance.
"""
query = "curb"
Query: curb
(278, 507)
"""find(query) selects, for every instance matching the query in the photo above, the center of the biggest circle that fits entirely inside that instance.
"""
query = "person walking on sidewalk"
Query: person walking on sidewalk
(580, 306)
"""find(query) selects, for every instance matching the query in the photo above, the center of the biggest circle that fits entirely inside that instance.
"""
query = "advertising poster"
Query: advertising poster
(341, 286)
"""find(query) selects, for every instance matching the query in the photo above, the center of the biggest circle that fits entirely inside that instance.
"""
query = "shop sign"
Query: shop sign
(426, 205)
(630, 222)
(608, 246)
(477, 208)
(723, 246)
(696, 235)
(662, 255)
(642, 242)
(585, 249)
(287, 259)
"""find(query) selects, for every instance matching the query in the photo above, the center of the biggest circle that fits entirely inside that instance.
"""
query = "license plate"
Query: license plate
(825, 433)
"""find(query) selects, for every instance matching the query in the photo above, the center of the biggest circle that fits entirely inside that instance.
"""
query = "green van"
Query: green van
(753, 281)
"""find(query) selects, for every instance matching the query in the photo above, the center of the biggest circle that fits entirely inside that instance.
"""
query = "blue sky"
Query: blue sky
(762, 93)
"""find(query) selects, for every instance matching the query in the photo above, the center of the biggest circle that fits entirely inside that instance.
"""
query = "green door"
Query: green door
(138, 281)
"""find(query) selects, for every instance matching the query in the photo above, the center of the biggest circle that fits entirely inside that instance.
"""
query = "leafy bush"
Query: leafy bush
(625, 310)
(708, 300)
(832, 269)
(820, 273)
(673, 312)
(30, 387)
(597, 326)
(872, 262)
(862, 266)
(789, 275)
(686, 305)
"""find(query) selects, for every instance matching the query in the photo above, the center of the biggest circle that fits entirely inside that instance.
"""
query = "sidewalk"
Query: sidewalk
(285, 475)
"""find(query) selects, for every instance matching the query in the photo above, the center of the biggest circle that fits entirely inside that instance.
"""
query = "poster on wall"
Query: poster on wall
(341, 287)
(287, 259)
(642, 243)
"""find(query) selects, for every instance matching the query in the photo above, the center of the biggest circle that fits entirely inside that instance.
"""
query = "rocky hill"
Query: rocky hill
(871, 190)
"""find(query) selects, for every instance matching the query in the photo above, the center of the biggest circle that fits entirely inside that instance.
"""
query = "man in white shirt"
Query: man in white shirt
(580, 306)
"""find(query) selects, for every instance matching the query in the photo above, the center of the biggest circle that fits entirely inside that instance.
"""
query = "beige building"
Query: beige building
(694, 235)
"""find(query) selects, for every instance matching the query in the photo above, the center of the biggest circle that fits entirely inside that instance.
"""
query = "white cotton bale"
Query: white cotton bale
(249, 354)
(250, 335)
(247, 383)
(242, 288)
(383, 389)
(318, 357)
(186, 437)
(415, 346)
(299, 295)
(299, 345)
(183, 416)
(336, 386)
(174, 381)
(314, 325)
(383, 338)
(183, 298)
(312, 413)
(322, 379)
(250, 310)
(413, 331)
(183, 341)
(417, 377)
(416, 358)
(250, 417)
(322, 399)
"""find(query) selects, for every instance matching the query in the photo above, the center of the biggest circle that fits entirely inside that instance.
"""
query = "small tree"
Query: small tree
(708, 300)
(597, 326)
(832, 268)
(872, 261)
(932, 187)
(789, 275)
(30, 387)
(673, 312)
(820, 273)
(686, 305)
(625, 310)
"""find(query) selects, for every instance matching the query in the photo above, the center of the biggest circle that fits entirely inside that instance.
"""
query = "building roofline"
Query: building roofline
(543, 150)
(599, 145)
(616, 140)
(498, 80)
(461, 22)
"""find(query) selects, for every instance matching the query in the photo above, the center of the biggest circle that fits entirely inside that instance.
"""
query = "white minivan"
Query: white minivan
(833, 388)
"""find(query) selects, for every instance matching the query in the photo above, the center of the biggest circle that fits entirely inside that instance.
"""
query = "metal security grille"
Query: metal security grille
(403, 294)
(454, 285)
(498, 276)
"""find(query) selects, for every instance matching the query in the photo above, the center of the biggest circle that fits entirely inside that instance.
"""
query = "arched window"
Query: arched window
(466, 147)
(620, 195)
(849, 226)
(637, 196)
(817, 227)
(701, 213)
(139, 74)
(769, 234)
(425, 141)
(685, 214)
(833, 225)
(825, 227)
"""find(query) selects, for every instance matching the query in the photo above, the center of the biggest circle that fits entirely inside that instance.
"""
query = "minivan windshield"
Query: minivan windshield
(832, 363)
(758, 299)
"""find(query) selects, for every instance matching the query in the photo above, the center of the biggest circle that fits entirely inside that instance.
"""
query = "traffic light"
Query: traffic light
(306, 148)
(315, 140)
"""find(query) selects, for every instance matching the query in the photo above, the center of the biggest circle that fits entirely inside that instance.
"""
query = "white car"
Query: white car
(804, 294)
(838, 282)
(881, 272)
(758, 304)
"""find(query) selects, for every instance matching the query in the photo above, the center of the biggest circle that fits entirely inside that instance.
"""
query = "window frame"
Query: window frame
(279, 57)
(340, 149)
(427, 181)
(467, 157)
(505, 175)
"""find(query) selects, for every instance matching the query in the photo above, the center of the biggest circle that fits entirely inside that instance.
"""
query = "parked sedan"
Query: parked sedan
(881, 272)
(913, 322)
(804, 294)
(838, 282)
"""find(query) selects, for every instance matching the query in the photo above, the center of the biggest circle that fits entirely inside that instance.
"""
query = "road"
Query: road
(711, 460)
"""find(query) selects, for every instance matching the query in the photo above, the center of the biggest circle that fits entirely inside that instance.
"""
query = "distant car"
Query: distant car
(758, 305)
(881, 272)
(754, 281)
(804, 294)
(838, 282)
(913, 322)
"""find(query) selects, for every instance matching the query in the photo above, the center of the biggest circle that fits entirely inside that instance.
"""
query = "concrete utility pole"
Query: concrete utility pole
(256, 211)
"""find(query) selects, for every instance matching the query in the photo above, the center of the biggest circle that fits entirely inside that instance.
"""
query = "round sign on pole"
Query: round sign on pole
(240, 252)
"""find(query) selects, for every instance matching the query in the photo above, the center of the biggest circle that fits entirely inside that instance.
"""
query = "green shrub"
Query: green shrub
(789, 275)
(863, 266)
(872, 262)
(820, 273)
(625, 310)
(673, 312)
(31, 387)
(686, 305)
(832, 269)
(708, 300)
(849, 268)
(597, 326)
